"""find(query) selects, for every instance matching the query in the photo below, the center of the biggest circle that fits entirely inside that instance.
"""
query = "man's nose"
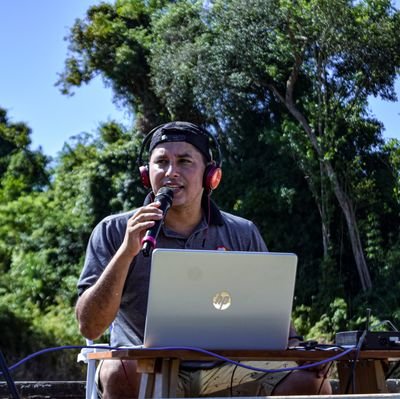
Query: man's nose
(172, 169)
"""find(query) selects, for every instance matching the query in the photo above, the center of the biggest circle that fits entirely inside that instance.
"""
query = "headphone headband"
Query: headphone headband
(185, 126)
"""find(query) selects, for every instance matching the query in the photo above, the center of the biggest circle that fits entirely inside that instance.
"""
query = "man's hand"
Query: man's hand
(143, 219)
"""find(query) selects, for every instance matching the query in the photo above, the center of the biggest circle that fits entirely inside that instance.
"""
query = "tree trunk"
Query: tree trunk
(320, 201)
(345, 202)
(326, 234)
(348, 211)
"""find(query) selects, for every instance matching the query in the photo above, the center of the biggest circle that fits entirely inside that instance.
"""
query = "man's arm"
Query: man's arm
(98, 305)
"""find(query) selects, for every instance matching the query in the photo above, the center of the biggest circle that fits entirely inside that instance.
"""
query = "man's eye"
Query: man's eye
(161, 161)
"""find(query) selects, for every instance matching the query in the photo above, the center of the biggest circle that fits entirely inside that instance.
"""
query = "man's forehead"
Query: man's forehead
(177, 148)
(182, 132)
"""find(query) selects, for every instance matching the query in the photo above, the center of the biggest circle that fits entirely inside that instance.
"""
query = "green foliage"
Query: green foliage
(331, 322)
(323, 328)
(21, 170)
(317, 59)
(44, 231)
(335, 319)
(30, 332)
(393, 146)
(115, 41)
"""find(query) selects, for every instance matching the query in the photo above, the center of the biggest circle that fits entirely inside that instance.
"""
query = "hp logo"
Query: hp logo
(222, 300)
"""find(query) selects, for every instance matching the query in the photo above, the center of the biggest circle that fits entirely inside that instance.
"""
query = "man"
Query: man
(114, 282)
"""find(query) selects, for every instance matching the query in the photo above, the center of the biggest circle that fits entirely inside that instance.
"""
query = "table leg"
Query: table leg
(147, 368)
(159, 378)
(369, 377)
(167, 379)
(173, 377)
(162, 379)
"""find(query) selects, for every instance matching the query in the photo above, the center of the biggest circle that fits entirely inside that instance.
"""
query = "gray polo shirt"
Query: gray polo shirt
(224, 232)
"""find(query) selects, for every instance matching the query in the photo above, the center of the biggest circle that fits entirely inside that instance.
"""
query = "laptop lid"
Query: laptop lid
(220, 299)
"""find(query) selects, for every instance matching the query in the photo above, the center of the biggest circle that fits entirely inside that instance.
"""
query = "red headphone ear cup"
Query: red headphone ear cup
(212, 177)
(144, 176)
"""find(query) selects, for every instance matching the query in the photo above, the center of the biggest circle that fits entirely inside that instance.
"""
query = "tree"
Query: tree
(44, 230)
(115, 41)
(22, 172)
(320, 59)
(273, 77)
(21, 169)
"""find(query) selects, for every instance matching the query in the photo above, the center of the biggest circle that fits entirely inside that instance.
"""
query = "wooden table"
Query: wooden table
(160, 368)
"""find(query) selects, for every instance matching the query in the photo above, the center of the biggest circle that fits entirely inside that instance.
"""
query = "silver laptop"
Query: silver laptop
(220, 299)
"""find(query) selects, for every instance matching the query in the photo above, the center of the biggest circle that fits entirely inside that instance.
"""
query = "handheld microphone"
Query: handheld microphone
(164, 196)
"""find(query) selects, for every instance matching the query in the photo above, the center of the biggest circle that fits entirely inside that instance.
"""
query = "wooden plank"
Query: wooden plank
(368, 377)
(146, 365)
(173, 377)
(361, 396)
(290, 354)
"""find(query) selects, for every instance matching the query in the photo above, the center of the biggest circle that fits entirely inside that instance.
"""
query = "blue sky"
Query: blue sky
(33, 51)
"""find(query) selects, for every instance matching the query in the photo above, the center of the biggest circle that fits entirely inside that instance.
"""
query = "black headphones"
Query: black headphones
(212, 174)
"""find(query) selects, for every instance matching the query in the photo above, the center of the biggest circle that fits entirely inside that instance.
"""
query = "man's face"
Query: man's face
(181, 166)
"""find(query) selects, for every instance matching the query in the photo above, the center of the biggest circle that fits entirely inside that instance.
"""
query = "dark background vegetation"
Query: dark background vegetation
(284, 86)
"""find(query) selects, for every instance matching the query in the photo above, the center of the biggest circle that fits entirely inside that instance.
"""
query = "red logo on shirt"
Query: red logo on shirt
(221, 248)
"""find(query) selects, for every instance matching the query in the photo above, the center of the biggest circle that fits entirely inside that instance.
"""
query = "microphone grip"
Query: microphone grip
(147, 245)
(164, 196)
(150, 238)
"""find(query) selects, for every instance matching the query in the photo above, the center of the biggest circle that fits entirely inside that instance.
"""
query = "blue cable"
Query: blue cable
(216, 355)
(188, 348)
(57, 348)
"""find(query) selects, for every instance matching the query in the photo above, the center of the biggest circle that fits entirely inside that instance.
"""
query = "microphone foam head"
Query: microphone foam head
(165, 192)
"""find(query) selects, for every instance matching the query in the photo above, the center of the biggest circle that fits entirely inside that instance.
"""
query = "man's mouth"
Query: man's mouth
(174, 187)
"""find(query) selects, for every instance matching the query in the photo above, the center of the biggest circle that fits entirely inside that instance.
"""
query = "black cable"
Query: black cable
(6, 373)
(280, 381)
(314, 345)
(231, 384)
(325, 376)
(358, 350)
(393, 369)
(353, 368)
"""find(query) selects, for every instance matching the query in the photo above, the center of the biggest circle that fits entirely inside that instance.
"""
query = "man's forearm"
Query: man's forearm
(98, 305)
